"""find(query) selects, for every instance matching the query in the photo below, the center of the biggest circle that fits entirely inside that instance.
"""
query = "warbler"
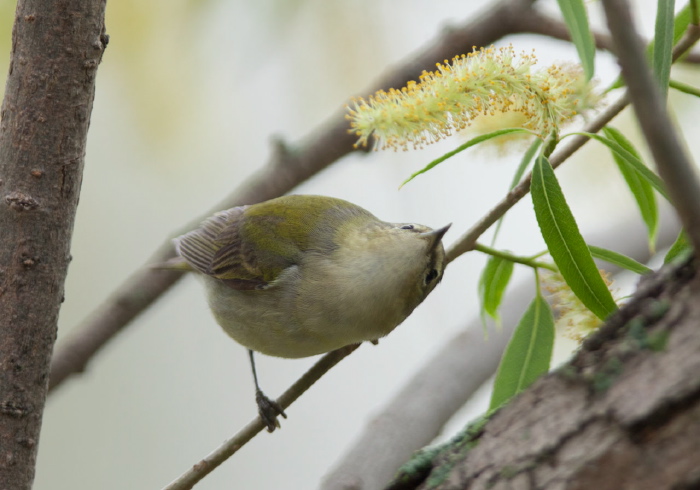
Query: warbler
(303, 275)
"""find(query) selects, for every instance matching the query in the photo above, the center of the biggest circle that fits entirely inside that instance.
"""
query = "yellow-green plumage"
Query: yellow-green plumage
(303, 275)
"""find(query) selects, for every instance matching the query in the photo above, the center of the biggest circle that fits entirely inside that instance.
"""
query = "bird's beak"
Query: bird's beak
(436, 235)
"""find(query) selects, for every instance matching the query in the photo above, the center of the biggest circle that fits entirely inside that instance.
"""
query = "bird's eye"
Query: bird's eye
(407, 227)
(430, 277)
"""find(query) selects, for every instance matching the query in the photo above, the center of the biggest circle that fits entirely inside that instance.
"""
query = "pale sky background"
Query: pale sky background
(189, 94)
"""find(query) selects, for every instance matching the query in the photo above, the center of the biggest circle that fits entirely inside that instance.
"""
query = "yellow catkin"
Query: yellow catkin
(486, 83)
(574, 320)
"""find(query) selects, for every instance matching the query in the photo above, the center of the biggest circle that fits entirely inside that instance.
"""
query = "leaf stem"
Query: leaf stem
(684, 87)
(528, 261)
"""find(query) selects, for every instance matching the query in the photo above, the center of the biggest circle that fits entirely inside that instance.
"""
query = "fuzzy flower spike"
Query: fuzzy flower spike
(490, 82)
(574, 320)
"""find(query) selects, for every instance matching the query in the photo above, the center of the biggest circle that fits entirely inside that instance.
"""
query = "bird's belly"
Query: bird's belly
(272, 323)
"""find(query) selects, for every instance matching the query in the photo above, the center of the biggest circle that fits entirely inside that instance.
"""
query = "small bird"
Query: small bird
(303, 275)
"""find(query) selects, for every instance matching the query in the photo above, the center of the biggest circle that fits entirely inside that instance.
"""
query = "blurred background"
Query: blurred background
(189, 96)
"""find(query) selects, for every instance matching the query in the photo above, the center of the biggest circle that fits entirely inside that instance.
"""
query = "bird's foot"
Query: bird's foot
(269, 410)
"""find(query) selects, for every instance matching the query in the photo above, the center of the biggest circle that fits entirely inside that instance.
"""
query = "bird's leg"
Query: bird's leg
(268, 409)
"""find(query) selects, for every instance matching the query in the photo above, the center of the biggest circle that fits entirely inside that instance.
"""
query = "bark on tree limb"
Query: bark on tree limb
(460, 367)
(56, 48)
(624, 414)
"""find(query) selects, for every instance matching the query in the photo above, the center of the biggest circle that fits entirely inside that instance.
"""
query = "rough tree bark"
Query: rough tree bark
(624, 414)
(56, 48)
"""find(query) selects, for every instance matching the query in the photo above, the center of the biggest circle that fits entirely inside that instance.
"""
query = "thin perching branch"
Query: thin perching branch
(198, 471)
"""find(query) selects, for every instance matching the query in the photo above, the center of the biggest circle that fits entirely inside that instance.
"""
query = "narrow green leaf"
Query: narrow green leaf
(576, 19)
(641, 189)
(680, 248)
(619, 260)
(528, 354)
(684, 87)
(680, 25)
(468, 144)
(663, 44)
(525, 162)
(493, 282)
(634, 162)
(565, 243)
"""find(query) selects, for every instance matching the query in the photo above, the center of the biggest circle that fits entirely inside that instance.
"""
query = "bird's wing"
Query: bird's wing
(244, 251)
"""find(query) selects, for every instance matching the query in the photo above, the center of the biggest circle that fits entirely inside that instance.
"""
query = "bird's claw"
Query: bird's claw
(269, 410)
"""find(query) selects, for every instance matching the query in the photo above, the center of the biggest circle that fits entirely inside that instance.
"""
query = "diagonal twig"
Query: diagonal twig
(201, 469)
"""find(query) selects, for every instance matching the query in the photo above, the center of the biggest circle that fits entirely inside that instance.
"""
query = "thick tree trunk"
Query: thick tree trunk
(56, 48)
(624, 414)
